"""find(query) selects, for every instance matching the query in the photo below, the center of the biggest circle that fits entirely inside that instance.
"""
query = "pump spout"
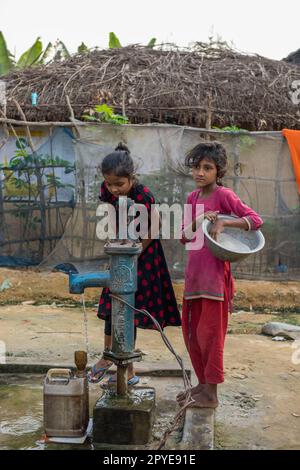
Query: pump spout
(79, 282)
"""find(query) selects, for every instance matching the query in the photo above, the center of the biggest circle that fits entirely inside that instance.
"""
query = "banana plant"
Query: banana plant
(46, 54)
(35, 55)
(6, 58)
(114, 42)
(151, 43)
(82, 49)
(61, 52)
(31, 56)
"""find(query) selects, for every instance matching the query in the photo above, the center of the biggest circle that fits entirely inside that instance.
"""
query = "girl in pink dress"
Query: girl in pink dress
(208, 289)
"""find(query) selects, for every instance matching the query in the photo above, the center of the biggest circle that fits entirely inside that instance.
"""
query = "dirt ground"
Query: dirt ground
(45, 288)
(260, 405)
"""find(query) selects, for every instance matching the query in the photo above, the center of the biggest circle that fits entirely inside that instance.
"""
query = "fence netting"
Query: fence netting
(48, 207)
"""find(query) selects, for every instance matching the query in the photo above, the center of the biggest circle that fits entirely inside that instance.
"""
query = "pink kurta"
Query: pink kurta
(204, 273)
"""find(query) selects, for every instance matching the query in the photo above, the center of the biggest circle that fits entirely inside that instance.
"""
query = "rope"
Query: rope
(85, 325)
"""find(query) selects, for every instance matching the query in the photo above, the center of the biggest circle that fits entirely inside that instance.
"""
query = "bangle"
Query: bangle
(248, 223)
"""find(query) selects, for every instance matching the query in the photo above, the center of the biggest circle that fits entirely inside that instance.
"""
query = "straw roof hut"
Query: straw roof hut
(204, 86)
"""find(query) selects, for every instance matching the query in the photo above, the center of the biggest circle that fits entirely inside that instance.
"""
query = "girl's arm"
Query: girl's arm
(220, 224)
(188, 232)
(146, 198)
(189, 228)
(247, 219)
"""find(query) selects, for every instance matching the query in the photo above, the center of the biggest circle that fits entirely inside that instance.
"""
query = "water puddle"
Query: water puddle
(21, 412)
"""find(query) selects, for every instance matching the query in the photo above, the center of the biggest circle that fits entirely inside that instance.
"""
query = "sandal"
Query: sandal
(91, 376)
(111, 382)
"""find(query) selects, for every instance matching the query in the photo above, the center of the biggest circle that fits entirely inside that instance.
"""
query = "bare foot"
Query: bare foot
(194, 390)
(203, 400)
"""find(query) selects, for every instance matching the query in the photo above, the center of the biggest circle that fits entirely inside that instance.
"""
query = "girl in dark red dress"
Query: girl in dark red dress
(155, 291)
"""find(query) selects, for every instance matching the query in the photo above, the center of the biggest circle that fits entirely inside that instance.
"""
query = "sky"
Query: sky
(268, 28)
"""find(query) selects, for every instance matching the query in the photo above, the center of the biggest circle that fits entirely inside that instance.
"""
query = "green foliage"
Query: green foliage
(82, 49)
(32, 55)
(46, 54)
(152, 42)
(104, 113)
(229, 128)
(27, 166)
(114, 42)
(245, 141)
(61, 51)
(35, 55)
(6, 60)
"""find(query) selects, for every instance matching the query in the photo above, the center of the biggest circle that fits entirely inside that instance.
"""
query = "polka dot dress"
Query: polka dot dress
(155, 291)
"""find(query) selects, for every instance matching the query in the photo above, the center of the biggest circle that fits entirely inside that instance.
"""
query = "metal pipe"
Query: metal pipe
(79, 282)
(122, 379)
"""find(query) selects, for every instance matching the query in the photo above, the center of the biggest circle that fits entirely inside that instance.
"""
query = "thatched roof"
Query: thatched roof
(293, 57)
(160, 85)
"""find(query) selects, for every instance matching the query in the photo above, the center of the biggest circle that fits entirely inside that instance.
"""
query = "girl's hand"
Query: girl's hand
(216, 229)
(211, 215)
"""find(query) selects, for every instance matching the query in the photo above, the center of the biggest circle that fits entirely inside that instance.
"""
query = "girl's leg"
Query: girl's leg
(191, 313)
(211, 334)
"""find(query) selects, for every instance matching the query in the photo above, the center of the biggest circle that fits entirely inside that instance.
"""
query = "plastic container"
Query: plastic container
(34, 98)
(66, 404)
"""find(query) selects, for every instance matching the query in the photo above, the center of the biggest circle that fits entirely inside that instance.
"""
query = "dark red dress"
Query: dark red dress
(155, 291)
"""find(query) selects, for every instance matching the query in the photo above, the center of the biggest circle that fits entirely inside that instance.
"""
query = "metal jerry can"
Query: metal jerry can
(66, 403)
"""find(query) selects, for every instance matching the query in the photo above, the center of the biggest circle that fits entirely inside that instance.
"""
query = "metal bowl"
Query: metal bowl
(234, 244)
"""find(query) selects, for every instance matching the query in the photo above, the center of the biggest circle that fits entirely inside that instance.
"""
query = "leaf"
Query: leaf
(49, 49)
(64, 51)
(152, 42)
(21, 143)
(82, 49)
(114, 42)
(120, 119)
(5, 57)
(86, 117)
(69, 170)
(61, 52)
(16, 161)
(32, 55)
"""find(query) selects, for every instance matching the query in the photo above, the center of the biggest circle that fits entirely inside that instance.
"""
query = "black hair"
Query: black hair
(213, 151)
(118, 162)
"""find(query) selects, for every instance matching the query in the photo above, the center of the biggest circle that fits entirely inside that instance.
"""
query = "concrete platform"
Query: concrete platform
(198, 431)
(124, 420)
